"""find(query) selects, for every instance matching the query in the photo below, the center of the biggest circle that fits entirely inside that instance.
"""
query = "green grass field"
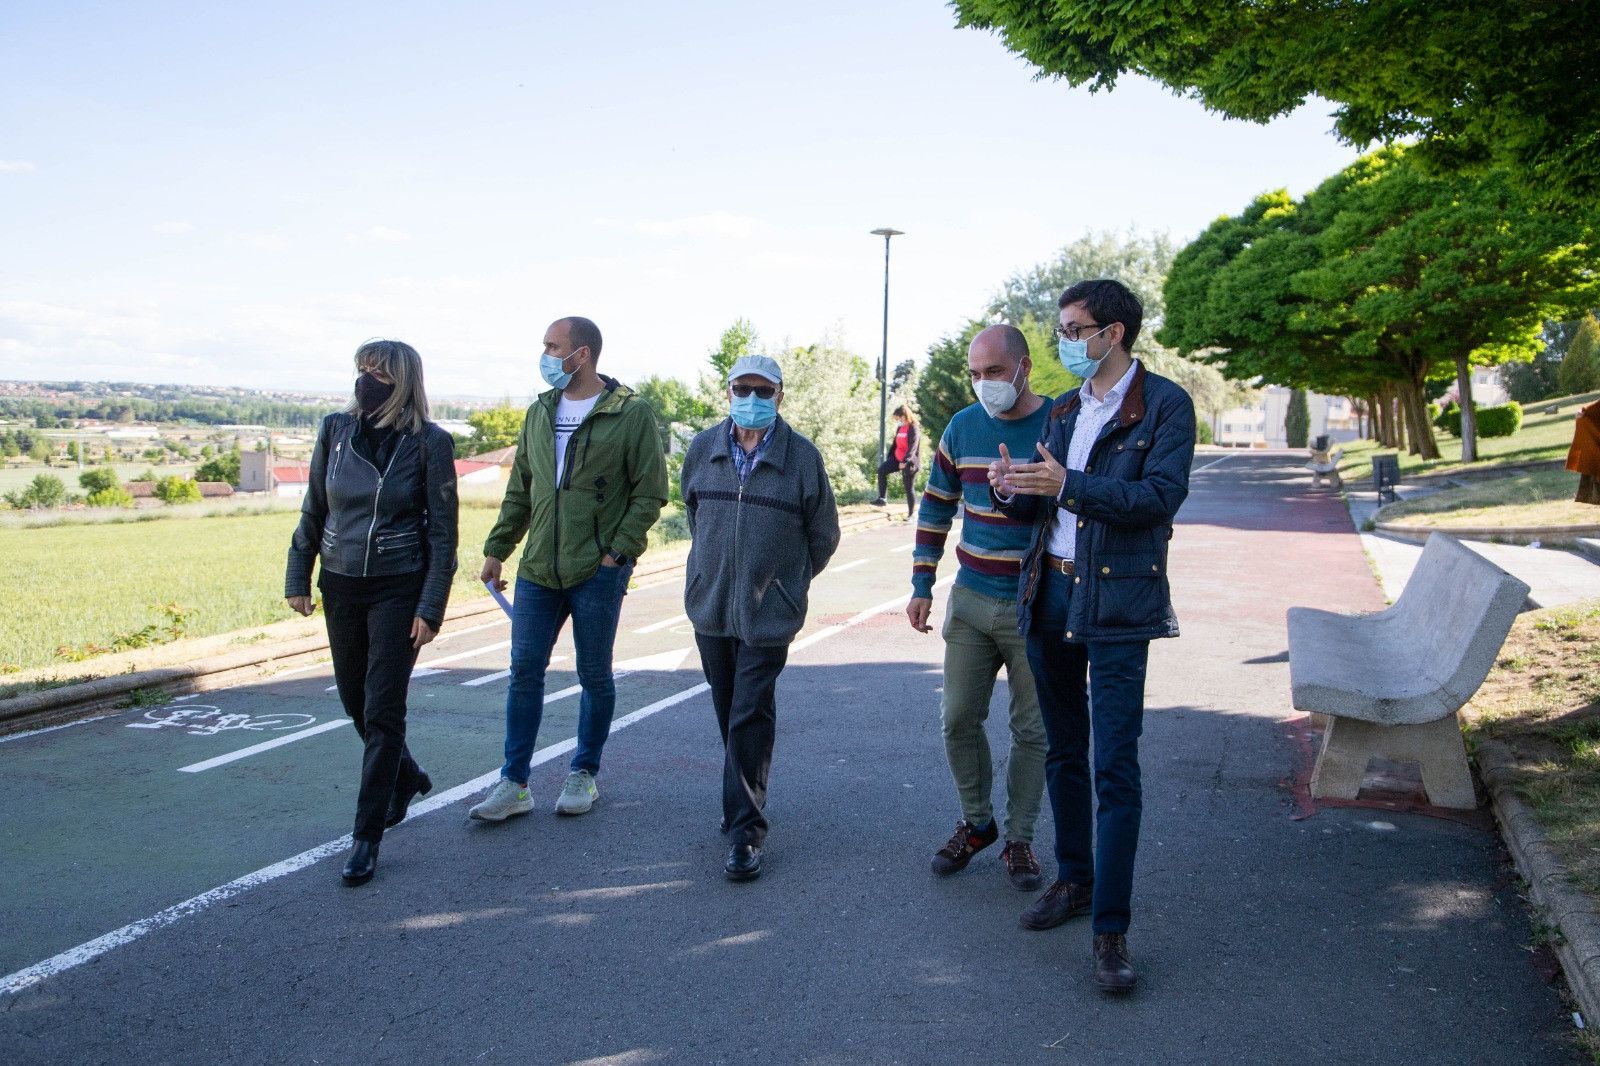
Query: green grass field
(14, 476)
(81, 584)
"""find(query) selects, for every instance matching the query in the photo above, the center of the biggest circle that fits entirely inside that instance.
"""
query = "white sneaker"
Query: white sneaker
(504, 799)
(578, 794)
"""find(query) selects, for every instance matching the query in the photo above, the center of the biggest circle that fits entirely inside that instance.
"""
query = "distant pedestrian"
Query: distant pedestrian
(764, 523)
(904, 456)
(980, 625)
(380, 514)
(588, 482)
(1584, 458)
(1109, 474)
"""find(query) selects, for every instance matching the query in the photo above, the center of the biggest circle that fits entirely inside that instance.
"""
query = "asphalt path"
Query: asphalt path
(170, 891)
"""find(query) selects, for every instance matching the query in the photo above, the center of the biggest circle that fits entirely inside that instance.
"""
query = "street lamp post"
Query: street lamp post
(883, 361)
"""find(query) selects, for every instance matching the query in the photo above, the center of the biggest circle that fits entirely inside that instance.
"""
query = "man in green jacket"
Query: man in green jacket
(588, 482)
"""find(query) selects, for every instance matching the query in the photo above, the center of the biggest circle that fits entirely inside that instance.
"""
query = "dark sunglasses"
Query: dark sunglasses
(766, 392)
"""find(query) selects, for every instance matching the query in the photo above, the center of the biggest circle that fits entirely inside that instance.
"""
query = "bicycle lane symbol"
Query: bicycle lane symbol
(204, 720)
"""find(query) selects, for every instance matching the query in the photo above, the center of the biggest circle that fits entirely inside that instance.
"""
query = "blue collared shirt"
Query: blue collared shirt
(744, 461)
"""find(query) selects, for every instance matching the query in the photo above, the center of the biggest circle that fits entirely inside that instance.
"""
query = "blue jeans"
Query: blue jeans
(537, 616)
(1093, 690)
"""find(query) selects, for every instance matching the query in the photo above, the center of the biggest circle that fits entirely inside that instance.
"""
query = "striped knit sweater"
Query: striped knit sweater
(992, 546)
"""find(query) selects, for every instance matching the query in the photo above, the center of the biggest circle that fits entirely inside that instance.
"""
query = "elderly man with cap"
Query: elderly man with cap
(763, 522)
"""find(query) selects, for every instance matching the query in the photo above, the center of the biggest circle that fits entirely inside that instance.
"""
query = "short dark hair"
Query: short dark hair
(583, 334)
(1108, 301)
(1013, 342)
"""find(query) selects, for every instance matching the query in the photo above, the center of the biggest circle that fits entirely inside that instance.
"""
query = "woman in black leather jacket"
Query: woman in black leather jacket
(380, 512)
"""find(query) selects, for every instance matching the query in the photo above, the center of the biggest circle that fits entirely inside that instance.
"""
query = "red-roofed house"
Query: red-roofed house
(475, 471)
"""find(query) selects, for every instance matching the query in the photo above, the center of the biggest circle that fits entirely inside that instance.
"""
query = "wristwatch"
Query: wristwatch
(618, 558)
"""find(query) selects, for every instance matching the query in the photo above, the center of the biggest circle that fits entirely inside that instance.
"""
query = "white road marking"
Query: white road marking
(487, 678)
(653, 626)
(847, 566)
(1214, 462)
(265, 745)
(93, 949)
(904, 547)
(64, 725)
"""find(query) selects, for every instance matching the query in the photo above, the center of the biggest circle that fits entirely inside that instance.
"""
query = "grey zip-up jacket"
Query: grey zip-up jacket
(364, 522)
(757, 544)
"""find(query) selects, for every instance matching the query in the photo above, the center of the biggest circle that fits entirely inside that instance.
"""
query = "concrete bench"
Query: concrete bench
(1392, 682)
(1325, 466)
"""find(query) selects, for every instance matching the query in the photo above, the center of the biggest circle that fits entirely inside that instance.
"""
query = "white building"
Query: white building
(1261, 426)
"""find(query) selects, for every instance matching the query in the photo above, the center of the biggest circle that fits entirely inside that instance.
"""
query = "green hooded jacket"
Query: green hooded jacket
(613, 487)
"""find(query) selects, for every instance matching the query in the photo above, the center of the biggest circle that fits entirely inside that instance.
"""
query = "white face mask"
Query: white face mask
(998, 397)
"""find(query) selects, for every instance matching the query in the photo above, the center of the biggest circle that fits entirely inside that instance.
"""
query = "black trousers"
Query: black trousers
(744, 681)
(369, 633)
(889, 466)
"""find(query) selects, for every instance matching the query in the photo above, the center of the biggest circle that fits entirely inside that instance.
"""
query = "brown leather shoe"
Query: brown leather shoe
(967, 842)
(1060, 901)
(1113, 966)
(1021, 866)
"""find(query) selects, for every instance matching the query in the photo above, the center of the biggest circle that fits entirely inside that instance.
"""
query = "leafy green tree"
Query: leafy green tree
(1580, 367)
(174, 489)
(1505, 86)
(8, 444)
(105, 490)
(497, 427)
(224, 467)
(43, 492)
(39, 450)
(831, 396)
(739, 339)
(675, 404)
(1297, 420)
(1382, 278)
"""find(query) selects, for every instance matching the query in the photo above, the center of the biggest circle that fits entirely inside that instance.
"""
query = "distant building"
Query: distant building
(265, 472)
(475, 471)
(1261, 425)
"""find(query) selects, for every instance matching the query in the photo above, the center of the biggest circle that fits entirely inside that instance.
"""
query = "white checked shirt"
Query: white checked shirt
(1093, 415)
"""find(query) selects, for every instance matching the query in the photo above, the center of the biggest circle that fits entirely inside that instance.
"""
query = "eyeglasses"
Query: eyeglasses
(1074, 331)
(766, 392)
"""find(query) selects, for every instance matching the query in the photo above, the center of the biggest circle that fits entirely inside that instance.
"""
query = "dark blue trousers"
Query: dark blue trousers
(1090, 693)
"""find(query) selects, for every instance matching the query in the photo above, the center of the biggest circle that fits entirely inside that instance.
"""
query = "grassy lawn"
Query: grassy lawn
(1542, 700)
(15, 476)
(1540, 498)
(1542, 437)
(91, 583)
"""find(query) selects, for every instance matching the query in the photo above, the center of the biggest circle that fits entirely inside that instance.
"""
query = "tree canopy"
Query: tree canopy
(1513, 85)
(1382, 277)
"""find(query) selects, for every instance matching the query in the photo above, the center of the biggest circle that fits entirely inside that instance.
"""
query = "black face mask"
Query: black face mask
(372, 394)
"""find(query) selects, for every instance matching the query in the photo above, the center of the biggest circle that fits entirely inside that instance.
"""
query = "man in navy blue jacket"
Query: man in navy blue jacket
(1111, 471)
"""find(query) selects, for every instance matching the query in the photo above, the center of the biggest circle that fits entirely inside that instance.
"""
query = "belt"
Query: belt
(1059, 565)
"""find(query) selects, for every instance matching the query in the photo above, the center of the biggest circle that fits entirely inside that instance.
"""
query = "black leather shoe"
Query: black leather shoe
(744, 863)
(362, 864)
(1113, 966)
(1060, 901)
(403, 795)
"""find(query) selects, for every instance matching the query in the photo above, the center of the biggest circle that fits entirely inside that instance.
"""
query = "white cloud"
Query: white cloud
(379, 235)
(172, 227)
(724, 224)
(264, 242)
(15, 166)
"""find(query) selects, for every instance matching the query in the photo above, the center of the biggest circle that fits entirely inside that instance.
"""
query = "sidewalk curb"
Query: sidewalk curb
(1506, 534)
(93, 695)
(1569, 909)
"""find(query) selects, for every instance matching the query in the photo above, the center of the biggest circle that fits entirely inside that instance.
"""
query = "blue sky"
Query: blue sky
(241, 194)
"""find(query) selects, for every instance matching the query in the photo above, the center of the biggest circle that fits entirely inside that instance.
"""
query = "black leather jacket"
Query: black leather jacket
(364, 522)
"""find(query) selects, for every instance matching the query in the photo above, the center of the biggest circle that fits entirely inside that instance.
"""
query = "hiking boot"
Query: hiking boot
(1113, 966)
(578, 794)
(504, 799)
(967, 842)
(1061, 901)
(1021, 866)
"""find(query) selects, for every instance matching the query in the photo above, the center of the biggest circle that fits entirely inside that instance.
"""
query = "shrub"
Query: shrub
(45, 491)
(1501, 421)
(175, 489)
(1202, 432)
(1448, 419)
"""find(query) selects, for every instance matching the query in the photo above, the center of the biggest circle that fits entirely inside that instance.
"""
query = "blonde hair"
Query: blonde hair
(407, 407)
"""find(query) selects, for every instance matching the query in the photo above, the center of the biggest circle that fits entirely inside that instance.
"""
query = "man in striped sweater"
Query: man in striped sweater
(980, 627)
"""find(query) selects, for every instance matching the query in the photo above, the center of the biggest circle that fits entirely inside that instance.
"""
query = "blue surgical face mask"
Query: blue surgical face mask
(1075, 355)
(552, 369)
(752, 412)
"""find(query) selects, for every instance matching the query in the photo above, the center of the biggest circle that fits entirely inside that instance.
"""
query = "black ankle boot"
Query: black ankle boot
(420, 785)
(363, 863)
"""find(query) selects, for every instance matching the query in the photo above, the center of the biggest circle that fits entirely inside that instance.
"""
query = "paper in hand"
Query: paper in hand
(499, 597)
